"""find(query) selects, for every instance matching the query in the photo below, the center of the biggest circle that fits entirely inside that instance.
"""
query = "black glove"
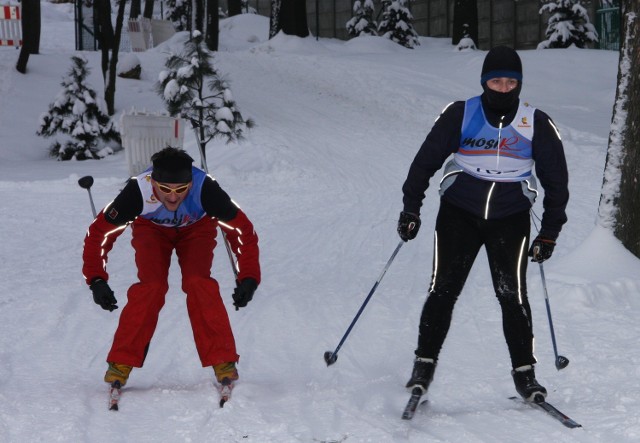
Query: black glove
(541, 249)
(244, 292)
(103, 295)
(408, 226)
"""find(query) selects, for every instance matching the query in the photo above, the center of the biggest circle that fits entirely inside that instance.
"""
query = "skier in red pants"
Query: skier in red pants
(172, 206)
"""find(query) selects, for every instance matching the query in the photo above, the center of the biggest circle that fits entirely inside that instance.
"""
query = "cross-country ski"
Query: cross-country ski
(552, 411)
(115, 392)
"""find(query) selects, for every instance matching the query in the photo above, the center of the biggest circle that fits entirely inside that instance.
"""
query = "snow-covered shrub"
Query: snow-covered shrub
(396, 23)
(129, 66)
(466, 43)
(82, 115)
(568, 25)
(178, 13)
(193, 89)
(362, 22)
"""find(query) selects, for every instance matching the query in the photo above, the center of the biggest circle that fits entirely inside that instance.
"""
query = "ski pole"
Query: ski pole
(331, 357)
(561, 361)
(203, 162)
(203, 154)
(86, 182)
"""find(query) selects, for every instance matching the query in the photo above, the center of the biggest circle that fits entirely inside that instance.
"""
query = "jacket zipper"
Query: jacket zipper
(493, 184)
(499, 143)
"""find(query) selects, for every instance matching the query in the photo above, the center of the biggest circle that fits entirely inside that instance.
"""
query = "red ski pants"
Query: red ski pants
(153, 247)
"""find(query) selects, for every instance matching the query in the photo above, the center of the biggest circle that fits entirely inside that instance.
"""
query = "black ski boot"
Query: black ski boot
(527, 386)
(422, 374)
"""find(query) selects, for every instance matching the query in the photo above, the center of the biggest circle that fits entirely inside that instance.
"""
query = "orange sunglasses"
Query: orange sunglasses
(178, 191)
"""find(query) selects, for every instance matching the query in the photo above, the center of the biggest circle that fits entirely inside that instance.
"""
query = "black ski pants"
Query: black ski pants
(459, 235)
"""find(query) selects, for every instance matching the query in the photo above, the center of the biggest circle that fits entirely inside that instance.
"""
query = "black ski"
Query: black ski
(412, 404)
(551, 410)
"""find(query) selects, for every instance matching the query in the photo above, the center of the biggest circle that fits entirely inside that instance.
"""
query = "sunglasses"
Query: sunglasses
(167, 190)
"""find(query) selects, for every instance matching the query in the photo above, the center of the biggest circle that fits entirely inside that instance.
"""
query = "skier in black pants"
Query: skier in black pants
(486, 193)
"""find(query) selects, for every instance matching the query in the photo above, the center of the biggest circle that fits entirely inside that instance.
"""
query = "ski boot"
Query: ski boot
(527, 386)
(117, 372)
(422, 375)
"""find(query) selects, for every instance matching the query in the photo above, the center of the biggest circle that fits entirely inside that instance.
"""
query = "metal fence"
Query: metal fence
(85, 26)
(608, 27)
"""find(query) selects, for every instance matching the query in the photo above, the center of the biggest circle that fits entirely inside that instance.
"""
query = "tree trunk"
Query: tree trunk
(620, 197)
(30, 33)
(274, 22)
(135, 10)
(213, 25)
(104, 32)
(291, 18)
(465, 21)
(110, 89)
(235, 7)
(199, 25)
(148, 9)
(31, 18)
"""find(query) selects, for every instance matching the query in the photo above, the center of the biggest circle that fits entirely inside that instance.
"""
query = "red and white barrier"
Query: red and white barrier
(140, 34)
(147, 33)
(10, 25)
(145, 134)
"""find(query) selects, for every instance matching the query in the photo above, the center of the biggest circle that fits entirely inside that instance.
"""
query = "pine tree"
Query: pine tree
(396, 23)
(193, 89)
(82, 115)
(362, 22)
(178, 13)
(568, 25)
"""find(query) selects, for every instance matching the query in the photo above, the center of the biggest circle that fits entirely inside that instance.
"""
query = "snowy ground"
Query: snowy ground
(338, 124)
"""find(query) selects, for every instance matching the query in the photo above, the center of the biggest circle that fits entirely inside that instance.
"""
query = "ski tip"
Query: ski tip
(113, 407)
(414, 401)
(223, 401)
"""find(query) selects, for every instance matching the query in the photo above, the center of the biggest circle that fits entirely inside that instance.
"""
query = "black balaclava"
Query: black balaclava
(501, 61)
